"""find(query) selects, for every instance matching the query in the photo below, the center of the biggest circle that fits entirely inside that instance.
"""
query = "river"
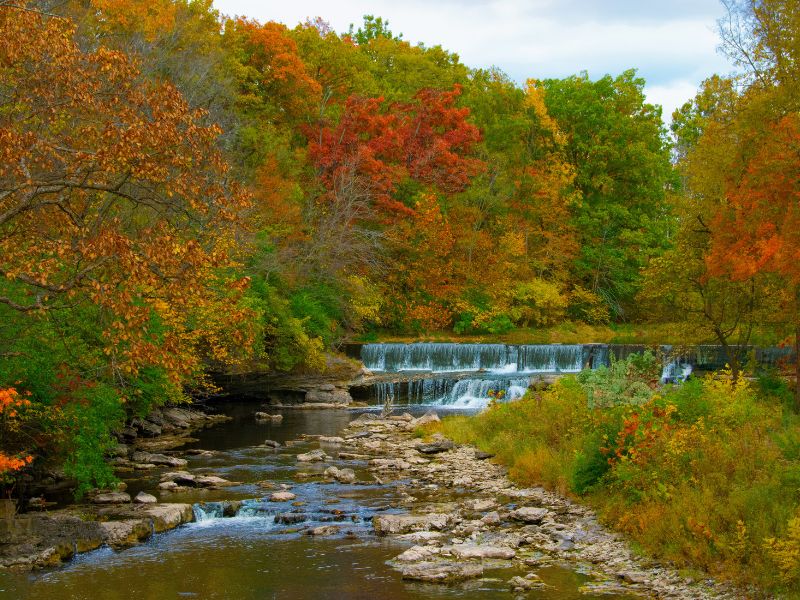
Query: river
(252, 556)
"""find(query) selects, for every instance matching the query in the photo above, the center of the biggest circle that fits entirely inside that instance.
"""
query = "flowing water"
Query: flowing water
(253, 556)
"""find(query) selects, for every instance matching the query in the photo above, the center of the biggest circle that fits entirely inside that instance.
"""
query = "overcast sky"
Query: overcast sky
(673, 43)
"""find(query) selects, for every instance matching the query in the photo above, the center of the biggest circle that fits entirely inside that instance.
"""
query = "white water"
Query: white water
(496, 358)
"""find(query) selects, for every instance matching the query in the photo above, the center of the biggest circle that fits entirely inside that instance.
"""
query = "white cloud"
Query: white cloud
(672, 44)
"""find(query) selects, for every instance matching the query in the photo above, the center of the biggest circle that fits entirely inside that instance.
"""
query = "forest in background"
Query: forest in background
(182, 192)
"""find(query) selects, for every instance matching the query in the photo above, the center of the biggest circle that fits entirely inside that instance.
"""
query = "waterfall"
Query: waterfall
(451, 392)
(206, 511)
(496, 358)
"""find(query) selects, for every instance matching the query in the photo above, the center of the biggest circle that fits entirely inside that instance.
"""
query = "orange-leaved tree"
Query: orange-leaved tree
(111, 195)
(758, 229)
(11, 459)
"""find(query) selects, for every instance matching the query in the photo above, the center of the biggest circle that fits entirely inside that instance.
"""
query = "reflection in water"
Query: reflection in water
(251, 556)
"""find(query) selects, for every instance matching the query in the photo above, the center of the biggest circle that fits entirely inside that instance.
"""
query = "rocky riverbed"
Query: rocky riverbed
(425, 512)
(466, 516)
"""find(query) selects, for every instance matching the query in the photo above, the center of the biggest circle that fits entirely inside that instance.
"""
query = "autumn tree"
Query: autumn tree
(114, 200)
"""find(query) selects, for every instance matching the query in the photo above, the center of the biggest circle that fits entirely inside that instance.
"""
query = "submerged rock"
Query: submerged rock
(313, 456)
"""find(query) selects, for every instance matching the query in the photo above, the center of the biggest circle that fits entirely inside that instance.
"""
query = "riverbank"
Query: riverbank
(466, 516)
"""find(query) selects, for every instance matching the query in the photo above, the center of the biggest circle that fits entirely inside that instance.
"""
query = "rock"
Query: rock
(120, 451)
(428, 417)
(282, 497)
(262, 416)
(212, 481)
(324, 530)
(341, 475)
(129, 532)
(480, 504)
(326, 387)
(360, 435)
(313, 456)
(393, 524)
(632, 577)
(528, 582)
(436, 447)
(530, 514)
(145, 498)
(492, 518)
(145, 428)
(272, 444)
(389, 463)
(179, 478)
(417, 554)
(441, 572)
(290, 518)
(112, 498)
(168, 486)
(327, 396)
(158, 459)
(324, 439)
(477, 551)
(480, 455)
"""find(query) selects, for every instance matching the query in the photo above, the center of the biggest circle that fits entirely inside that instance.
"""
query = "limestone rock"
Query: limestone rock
(530, 514)
(341, 475)
(282, 497)
(393, 524)
(441, 572)
(313, 456)
(145, 498)
(112, 498)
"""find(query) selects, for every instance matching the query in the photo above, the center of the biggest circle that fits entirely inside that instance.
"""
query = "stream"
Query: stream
(252, 555)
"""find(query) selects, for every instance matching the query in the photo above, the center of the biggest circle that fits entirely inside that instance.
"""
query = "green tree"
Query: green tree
(616, 143)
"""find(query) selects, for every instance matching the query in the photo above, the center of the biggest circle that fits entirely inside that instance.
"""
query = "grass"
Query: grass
(706, 475)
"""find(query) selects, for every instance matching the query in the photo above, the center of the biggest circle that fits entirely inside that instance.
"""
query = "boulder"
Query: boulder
(282, 497)
(262, 416)
(394, 524)
(125, 533)
(341, 475)
(145, 428)
(441, 571)
(290, 518)
(179, 478)
(145, 498)
(212, 481)
(313, 456)
(158, 459)
(435, 447)
(530, 514)
(272, 444)
(428, 417)
(417, 554)
(478, 551)
(112, 498)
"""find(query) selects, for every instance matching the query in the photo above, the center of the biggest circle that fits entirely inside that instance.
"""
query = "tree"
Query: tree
(615, 141)
(758, 230)
(111, 193)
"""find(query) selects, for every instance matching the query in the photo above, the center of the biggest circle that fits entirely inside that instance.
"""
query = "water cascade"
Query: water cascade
(497, 358)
